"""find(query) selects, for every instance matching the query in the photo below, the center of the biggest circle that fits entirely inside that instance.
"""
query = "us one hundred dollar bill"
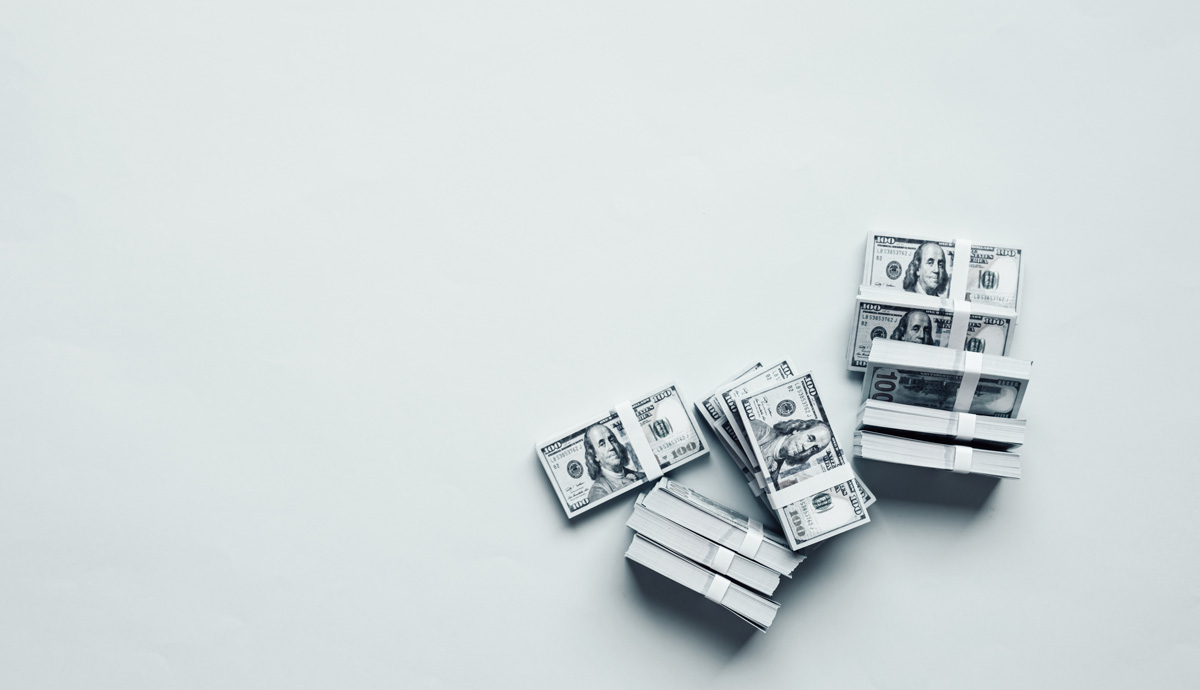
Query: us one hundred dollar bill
(792, 441)
(924, 321)
(596, 461)
(925, 266)
(906, 375)
(712, 412)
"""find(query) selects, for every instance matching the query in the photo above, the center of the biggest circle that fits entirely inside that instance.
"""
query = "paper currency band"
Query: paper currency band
(809, 487)
(723, 560)
(960, 319)
(962, 459)
(966, 426)
(754, 487)
(752, 540)
(637, 439)
(717, 589)
(962, 266)
(972, 368)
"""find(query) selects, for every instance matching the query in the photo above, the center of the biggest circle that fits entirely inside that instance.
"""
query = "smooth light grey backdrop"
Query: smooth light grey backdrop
(290, 289)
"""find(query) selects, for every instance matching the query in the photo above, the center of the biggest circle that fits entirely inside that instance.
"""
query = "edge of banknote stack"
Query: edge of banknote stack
(729, 558)
(939, 390)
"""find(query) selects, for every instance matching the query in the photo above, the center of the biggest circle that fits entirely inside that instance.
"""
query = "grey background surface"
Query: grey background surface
(289, 291)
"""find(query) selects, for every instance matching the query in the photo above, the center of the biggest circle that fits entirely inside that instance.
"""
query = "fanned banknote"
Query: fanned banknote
(815, 492)
(927, 266)
(926, 321)
(601, 459)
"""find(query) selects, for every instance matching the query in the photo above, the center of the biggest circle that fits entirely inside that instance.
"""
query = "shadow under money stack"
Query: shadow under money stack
(713, 550)
(942, 409)
(954, 295)
(776, 429)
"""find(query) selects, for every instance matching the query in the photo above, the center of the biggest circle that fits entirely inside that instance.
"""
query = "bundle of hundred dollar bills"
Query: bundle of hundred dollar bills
(713, 550)
(944, 409)
(777, 431)
(620, 450)
(949, 294)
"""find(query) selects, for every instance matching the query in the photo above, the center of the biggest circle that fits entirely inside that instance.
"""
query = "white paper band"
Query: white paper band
(752, 540)
(717, 589)
(962, 266)
(755, 488)
(972, 368)
(962, 459)
(966, 426)
(723, 560)
(960, 319)
(637, 439)
(810, 486)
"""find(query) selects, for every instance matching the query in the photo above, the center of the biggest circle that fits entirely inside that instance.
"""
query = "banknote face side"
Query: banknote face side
(823, 515)
(596, 462)
(910, 264)
(938, 390)
(591, 464)
(669, 427)
(986, 334)
(994, 276)
(731, 396)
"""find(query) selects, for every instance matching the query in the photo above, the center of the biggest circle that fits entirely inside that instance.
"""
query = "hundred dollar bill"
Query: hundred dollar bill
(926, 266)
(816, 492)
(927, 321)
(712, 413)
(731, 394)
(599, 460)
(909, 375)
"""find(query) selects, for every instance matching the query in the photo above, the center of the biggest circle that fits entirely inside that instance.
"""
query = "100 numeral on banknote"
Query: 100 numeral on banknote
(597, 461)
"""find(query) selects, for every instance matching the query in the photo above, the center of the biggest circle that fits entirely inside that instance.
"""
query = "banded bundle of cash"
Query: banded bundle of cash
(960, 458)
(914, 291)
(943, 409)
(773, 423)
(620, 450)
(716, 551)
(941, 425)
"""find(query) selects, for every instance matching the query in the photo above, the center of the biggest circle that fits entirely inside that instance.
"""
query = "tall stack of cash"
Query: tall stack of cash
(950, 294)
(616, 452)
(713, 550)
(944, 409)
(775, 427)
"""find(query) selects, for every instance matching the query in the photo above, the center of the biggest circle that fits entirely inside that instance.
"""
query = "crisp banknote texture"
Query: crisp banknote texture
(712, 411)
(792, 440)
(926, 266)
(993, 397)
(923, 325)
(583, 482)
(730, 395)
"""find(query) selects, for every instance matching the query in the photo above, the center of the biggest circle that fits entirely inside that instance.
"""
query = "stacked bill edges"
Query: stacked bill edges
(715, 551)
(942, 409)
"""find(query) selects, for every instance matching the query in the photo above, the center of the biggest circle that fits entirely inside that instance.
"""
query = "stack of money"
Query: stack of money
(713, 550)
(773, 423)
(615, 453)
(944, 409)
(913, 290)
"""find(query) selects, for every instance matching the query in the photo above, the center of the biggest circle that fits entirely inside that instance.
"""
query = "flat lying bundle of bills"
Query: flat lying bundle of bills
(946, 379)
(775, 427)
(755, 609)
(728, 557)
(618, 451)
(709, 554)
(963, 459)
(720, 525)
(912, 292)
(940, 425)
